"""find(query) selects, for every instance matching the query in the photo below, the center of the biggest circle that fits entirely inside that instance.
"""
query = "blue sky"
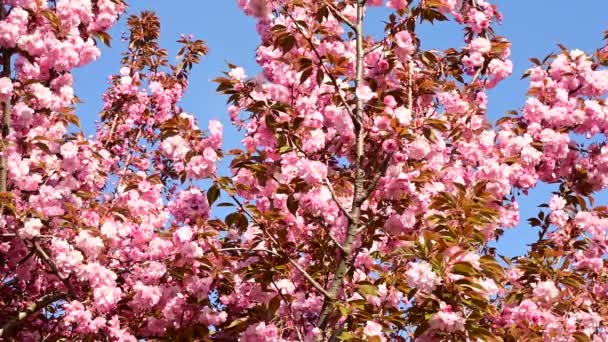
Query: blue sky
(534, 27)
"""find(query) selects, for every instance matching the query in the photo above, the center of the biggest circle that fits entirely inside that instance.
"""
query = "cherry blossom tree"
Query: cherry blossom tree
(362, 206)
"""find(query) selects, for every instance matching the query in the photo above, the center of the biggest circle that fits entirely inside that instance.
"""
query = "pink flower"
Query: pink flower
(238, 74)
(389, 101)
(419, 149)
(108, 228)
(216, 130)
(175, 148)
(397, 4)
(403, 114)
(189, 206)
(448, 6)
(31, 229)
(499, 70)
(260, 332)
(174, 308)
(405, 45)
(397, 224)
(452, 102)
(183, 234)
(76, 314)
(545, 291)
(9, 33)
(6, 88)
(481, 45)
(478, 20)
(390, 145)
(403, 39)
(160, 248)
(89, 244)
(199, 287)
(43, 95)
(69, 150)
(472, 61)
(106, 297)
(447, 320)
(66, 258)
(145, 296)
(420, 276)
(373, 329)
(200, 167)
(312, 171)
(557, 203)
(286, 286)
(97, 274)
(125, 71)
(365, 93)
(191, 250)
(259, 8)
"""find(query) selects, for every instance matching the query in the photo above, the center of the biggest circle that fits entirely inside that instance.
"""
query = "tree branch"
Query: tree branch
(311, 280)
(39, 250)
(335, 198)
(306, 275)
(6, 119)
(335, 241)
(300, 338)
(123, 171)
(337, 14)
(358, 198)
(295, 264)
(241, 249)
(372, 186)
(333, 79)
(14, 323)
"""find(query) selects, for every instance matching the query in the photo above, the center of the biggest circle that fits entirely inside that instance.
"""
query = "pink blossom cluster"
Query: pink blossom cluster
(364, 203)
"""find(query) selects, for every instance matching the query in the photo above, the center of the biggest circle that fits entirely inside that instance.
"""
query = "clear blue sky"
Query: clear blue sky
(533, 26)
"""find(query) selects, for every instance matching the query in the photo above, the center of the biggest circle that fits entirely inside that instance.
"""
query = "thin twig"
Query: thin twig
(300, 338)
(377, 176)
(351, 232)
(20, 318)
(241, 249)
(6, 284)
(12, 235)
(373, 48)
(335, 241)
(410, 86)
(314, 283)
(335, 198)
(6, 115)
(337, 14)
(295, 264)
(333, 79)
(45, 257)
(128, 161)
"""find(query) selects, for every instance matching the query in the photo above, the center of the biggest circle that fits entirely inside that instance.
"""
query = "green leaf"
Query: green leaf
(213, 194)
(274, 305)
(367, 289)
(43, 147)
(346, 336)
(292, 205)
(235, 324)
(105, 38)
(581, 337)
(306, 73)
(463, 268)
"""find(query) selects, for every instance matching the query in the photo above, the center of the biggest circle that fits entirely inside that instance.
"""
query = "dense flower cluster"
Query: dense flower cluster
(362, 205)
